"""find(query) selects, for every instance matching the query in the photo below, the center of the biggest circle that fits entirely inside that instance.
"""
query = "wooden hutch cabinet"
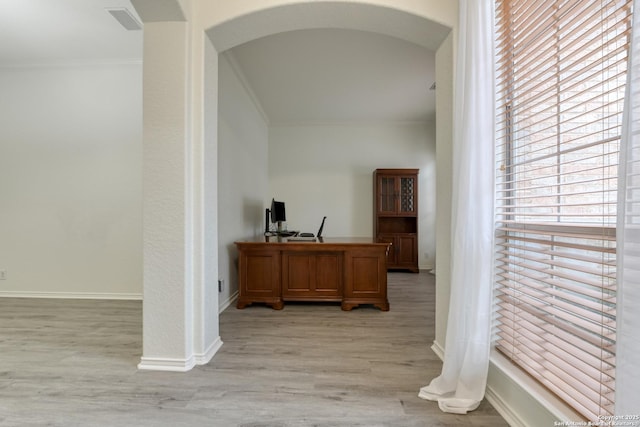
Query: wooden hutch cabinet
(396, 215)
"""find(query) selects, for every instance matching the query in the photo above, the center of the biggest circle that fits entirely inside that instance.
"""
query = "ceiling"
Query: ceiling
(304, 76)
(332, 75)
(61, 31)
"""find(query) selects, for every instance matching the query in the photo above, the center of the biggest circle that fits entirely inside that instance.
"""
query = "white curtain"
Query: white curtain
(627, 400)
(461, 386)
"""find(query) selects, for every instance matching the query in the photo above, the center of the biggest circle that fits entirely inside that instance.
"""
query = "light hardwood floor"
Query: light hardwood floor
(73, 363)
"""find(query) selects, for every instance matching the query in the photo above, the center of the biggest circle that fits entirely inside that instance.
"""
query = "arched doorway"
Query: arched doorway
(180, 322)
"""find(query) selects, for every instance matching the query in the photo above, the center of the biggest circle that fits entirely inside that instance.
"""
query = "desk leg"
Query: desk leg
(276, 305)
(348, 307)
(242, 304)
(279, 305)
(383, 306)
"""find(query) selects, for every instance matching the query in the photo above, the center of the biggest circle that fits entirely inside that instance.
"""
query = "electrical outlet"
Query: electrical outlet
(3, 274)
(220, 285)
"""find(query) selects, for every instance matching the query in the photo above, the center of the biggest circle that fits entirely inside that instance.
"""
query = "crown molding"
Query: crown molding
(72, 64)
(350, 123)
(237, 70)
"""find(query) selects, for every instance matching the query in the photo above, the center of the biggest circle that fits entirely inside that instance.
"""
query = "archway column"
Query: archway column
(180, 320)
(180, 317)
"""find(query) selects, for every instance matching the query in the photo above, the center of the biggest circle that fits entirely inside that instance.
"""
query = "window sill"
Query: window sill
(528, 386)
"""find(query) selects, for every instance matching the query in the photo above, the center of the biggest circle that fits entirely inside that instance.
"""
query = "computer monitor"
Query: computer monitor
(278, 213)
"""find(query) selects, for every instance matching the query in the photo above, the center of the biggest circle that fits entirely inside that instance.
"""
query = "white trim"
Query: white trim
(345, 123)
(536, 392)
(166, 364)
(551, 403)
(72, 295)
(180, 365)
(203, 359)
(231, 300)
(237, 70)
(73, 64)
(438, 349)
(500, 405)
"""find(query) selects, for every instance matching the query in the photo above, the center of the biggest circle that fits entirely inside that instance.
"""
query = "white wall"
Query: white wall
(70, 181)
(242, 173)
(327, 170)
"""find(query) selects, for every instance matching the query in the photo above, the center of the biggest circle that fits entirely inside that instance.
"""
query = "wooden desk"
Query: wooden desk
(352, 271)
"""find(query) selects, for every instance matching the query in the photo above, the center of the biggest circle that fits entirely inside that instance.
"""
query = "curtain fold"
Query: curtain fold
(627, 399)
(461, 385)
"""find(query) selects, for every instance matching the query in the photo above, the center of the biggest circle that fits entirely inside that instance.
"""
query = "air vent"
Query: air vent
(125, 18)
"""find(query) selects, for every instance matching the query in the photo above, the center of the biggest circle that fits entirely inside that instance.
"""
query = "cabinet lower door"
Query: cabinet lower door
(407, 255)
(392, 258)
(403, 253)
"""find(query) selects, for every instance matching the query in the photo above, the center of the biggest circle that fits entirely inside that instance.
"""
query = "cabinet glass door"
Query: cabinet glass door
(407, 192)
(387, 194)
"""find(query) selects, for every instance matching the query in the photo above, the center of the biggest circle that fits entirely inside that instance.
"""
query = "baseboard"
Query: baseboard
(500, 405)
(521, 400)
(438, 350)
(180, 365)
(203, 359)
(72, 295)
(503, 408)
(162, 364)
(230, 301)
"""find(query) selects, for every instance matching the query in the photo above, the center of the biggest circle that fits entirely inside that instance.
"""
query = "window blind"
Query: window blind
(561, 72)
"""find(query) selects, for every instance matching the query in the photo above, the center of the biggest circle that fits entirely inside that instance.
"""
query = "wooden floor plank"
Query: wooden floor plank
(73, 363)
